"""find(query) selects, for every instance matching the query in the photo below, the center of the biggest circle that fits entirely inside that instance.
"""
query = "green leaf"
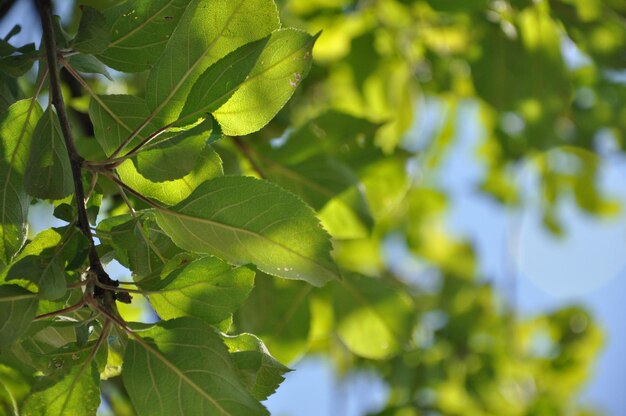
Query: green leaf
(88, 64)
(259, 372)
(220, 81)
(374, 319)
(116, 116)
(139, 32)
(181, 367)
(16, 129)
(18, 307)
(207, 31)
(73, 392)
(207, 289)
(93, 33)
(139, 244)
(44, 259)
(245, 220)
(17, 61)
(48, 273)
(175, 156)
(284, 326)
(48, 171)
(283, 64)
(208, 165)
(325, 183)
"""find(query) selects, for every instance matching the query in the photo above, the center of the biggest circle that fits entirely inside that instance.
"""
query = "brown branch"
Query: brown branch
(247, 153)
(45, 12)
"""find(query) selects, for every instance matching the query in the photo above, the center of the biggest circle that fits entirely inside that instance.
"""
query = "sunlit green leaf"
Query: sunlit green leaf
(17, 308)
(246, 220)
(207, 165)
(189, 372)
(207, 289)
(48, 171)
(16, 129)
(116, 116)
(220, 81)
(374, 319)
(207, 31)
(259, 372)
(283, 64)
(139, 32)
(93, 34)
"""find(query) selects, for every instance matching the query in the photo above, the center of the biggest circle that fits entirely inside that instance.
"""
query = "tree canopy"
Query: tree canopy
(247, 161)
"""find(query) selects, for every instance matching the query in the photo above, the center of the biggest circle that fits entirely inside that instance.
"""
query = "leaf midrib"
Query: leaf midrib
(245, 231)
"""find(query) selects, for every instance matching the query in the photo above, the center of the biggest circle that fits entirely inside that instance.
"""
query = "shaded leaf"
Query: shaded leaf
(139, 244)
(16, 129)
(189, 372)
(139, 32)
(207, 289)
(93, 33)
(18, 307)
(48, 171)
(246, 220)
(48, 273)
(116, 116)
(88, 64)
(283, 64)
(73, 392)
(175, 156)
(284, 327)
(207, 31)
(259, 372)
(17, 61)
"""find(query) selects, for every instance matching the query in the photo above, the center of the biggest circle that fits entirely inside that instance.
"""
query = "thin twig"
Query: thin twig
(45, 12)
(247, 153)
(61, 311)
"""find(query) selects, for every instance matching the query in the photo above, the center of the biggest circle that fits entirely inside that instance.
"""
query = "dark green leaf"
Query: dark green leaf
(88, 64)
(93, 34)
(16, 129)
(18, 307)
(139, 244)
(139, 31)
(73, 392)
(189, 372)
(246, 220)
(114, 117)
(259, 372)
(48, 172)
(48, 273)
(207, 289)
(285, 326)
(175, 156)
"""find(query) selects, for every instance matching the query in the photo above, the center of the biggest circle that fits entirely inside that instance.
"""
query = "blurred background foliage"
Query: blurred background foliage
(547, 78)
